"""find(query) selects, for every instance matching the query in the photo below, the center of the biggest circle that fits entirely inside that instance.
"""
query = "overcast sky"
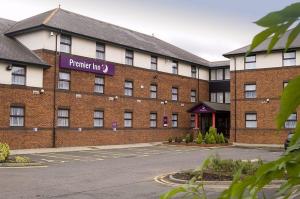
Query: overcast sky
(207, 28)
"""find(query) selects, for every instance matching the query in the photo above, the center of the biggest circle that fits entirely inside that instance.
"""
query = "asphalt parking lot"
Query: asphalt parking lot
(112, 173)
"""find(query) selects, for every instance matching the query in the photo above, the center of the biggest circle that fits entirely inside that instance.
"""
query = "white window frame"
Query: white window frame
(250, 123)
(250, 62)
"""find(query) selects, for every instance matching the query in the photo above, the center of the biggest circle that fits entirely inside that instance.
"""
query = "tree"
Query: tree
(287, 167)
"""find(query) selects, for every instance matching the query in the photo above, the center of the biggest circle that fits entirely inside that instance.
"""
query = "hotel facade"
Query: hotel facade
(69, 80)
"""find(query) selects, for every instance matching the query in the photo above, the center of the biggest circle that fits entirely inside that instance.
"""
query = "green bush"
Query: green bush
(199, 139)
(170, 140)
(4, 152)
(221, 138)
(187, 138)
(213, 131)
(210, 138)
(206, 138)
(21, 159)
(192, 137)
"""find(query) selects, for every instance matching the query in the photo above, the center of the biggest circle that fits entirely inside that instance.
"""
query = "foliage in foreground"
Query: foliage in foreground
(287, 166)
(4, 152)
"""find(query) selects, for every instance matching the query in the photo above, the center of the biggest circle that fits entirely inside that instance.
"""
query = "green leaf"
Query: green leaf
(293, 35)
(278, 34)
(173, 192)
(290, 100)
(261, 37)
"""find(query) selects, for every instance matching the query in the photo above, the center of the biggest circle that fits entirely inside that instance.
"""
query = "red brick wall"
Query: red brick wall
(269, 85)
(39, 108)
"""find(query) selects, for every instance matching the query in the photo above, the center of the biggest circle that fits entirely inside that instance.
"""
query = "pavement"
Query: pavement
(112, 173)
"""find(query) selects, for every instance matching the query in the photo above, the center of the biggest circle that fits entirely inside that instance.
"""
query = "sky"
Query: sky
(206, 28)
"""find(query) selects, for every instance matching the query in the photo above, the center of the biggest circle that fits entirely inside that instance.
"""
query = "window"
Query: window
(17, 115)
(153, 91)
(99, 85)
(65, 43)
(289, 58)
(194, 71)
(250, 62)
(291, 121)
(153, 120)
(98, 118)
(285, 83)
(64, 80)
(213, 75)
(193, 120)
(174, 94)
(213, 97)
(250, 91)
(174, 120)
(220, 97)
(175, 67)
(18, 74)
(251, 120)
(129, 57)
(100, 51)
(220, 74)
(227, 73)
(128, 119)
(63, 117)
(193, 96)
(153, 63)
(227, 97)
(128, 88)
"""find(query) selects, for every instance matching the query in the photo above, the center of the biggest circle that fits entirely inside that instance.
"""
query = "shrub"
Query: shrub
(20, 159)
(4, 152)
(212, 139)
(221, 138)
(187, 138)
(199, 138)
(192, 137)
(170, 139)
(213, 131)
(206, 138)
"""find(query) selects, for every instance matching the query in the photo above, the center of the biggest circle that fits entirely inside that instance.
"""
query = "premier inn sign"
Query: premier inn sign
(85, 64)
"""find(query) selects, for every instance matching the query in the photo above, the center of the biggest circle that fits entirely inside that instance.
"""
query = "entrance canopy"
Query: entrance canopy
(209, 107)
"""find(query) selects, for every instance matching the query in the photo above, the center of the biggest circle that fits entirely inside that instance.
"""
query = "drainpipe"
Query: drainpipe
(198, 92)
(54, 96)
(235, 100)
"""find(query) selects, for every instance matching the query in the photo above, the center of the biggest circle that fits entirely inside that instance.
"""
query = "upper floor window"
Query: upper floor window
(193, 95)
(213, 75)
(289, 58)
(153, 91)
(291, 121)
(128, 119)
(65, 43)
(153, 63)
(128, 88)
(153, 120)
(129, 57)
(18, 74)
(220, 74)
(174, 94)
(194, 71)
(227, 97)
(99, 85)
(227, 73)
(98, 118)
(100, 51)
(17, 116)
(64, 80)
(250, 91)
(175, 67)
(251, 120)
(250, 62)
(63, 117)
(213, 97)
(220, 97)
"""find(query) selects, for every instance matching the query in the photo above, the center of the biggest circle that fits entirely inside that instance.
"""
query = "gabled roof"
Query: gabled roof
(209, 107)
(70, 22)
(216, 64)
(264, 46)
(12, 50)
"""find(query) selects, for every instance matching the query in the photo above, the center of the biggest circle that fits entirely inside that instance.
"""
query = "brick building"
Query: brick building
(69, 80)
(257, 82)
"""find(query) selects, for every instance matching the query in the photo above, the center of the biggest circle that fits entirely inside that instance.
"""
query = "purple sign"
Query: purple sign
(203, 109)
(79, 63)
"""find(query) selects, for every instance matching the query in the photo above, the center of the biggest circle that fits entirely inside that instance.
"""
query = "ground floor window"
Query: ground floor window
(174, 120)
(63, 116)
(153, 120)
(193, 120)
(251, 120)
(291, 121)
(98, 118)
(128, 119)
(17, 115)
